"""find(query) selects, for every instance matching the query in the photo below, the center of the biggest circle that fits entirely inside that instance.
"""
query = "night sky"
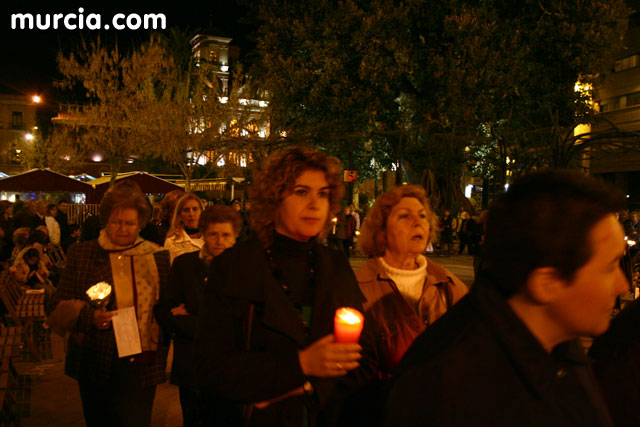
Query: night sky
(28, 62)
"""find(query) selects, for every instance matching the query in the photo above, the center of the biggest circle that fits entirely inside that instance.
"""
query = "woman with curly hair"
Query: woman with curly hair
(184, 236)
(265, 334)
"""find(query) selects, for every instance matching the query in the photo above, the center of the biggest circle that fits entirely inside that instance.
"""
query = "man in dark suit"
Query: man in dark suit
(507, 354)
(63, 220)
(25, 217)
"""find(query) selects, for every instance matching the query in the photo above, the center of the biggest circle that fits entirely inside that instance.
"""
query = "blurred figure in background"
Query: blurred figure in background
(6, 225)
(20, 240)
(26, 217)
(350, 230)
(63, 219)
(447, 228)
(74, 237)
(338, 232)
(356, 215)
(168, 207)
(246, 221)
(184, 235)
(52, 225)
(478, 255)
(31, 271)
(40, 213)
(632, 226)
(463, 232)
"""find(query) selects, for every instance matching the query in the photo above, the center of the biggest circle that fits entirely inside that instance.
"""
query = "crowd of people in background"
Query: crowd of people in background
(33, 234)
(45, 227)
(465, 230)
(246, 292)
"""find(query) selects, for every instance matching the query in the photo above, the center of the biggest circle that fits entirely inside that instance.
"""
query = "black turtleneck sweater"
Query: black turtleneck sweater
(293, 261)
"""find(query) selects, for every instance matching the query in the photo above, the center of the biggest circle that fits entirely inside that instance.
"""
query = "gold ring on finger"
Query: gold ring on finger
(339, 365)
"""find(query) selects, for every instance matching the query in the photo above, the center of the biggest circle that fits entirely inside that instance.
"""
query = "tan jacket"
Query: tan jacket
(394, 322)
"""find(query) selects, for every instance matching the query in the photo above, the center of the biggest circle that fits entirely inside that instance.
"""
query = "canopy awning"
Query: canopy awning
(43, 180)
(148, 183)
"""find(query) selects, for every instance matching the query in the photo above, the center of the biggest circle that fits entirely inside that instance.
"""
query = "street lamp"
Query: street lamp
(36, 99)
(28, 136)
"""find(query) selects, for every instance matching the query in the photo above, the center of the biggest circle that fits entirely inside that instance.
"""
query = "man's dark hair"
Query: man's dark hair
(37, 236)
(31, 253)
(544, 220)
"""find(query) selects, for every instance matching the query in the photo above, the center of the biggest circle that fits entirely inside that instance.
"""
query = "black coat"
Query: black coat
(25, 219)
(617, 356)
(239, 278)
(186, 281)
(62, 219)
(480, 365)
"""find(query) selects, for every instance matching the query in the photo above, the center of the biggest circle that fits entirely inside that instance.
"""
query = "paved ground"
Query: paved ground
(53, 399)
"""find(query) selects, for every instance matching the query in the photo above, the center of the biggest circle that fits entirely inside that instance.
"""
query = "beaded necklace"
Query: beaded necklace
(304, 311)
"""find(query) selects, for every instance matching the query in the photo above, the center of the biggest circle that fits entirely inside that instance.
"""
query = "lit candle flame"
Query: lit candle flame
(348, 316)
(99, 291)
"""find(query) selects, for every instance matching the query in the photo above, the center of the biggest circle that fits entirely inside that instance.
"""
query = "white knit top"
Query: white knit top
(409, 282)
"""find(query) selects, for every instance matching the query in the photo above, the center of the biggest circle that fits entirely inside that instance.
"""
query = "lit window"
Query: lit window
(609, 104)
(16, 119)
(626, 63)
(633, 99)
(233, 128)
(243, 161)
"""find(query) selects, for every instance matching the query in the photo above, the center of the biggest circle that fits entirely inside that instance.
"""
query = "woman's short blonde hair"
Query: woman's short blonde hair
(373, 236)
(176, 222)
(278, 177)
(125, 195)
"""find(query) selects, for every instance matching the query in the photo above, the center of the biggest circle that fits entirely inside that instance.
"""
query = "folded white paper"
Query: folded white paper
(125, 328)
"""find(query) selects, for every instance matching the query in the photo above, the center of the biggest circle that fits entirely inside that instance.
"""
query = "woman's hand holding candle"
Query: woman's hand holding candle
(327, 358)
(102, 318)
